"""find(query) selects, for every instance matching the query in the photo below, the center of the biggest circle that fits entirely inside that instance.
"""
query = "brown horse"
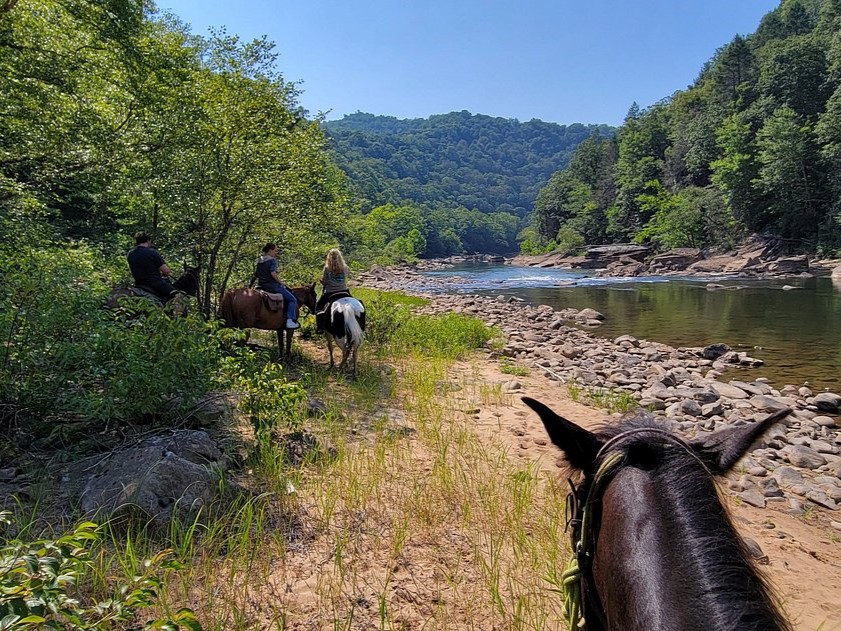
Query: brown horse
(653, 545)
(187, 283)
(246, 309)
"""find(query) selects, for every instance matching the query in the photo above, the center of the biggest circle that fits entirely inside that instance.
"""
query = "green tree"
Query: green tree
(790, 174)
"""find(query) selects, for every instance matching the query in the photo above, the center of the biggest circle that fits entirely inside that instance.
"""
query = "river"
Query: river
(796, 332)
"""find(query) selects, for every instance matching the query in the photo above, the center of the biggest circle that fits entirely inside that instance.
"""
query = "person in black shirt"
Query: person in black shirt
(148, 268)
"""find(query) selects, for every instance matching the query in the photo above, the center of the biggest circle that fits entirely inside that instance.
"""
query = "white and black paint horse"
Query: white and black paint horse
(344, 322)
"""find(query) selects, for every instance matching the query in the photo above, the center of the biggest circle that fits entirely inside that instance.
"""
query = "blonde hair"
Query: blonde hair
(334, 262)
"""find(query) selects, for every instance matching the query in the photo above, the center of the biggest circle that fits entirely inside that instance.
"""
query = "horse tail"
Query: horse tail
(354, 332)
(226, 309)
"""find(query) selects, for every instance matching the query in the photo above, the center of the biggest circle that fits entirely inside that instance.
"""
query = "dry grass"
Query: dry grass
(413, 523)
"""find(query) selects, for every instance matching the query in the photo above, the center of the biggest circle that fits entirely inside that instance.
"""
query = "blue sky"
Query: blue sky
(563, 61)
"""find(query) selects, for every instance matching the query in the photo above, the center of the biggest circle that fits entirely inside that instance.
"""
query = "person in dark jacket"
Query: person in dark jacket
(148, 268)
(268, 280)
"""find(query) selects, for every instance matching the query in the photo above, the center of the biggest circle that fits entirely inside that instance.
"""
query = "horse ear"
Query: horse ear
(722, 449)
(579, 446)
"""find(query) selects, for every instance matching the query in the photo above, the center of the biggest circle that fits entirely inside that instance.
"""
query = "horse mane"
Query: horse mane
(732, 593)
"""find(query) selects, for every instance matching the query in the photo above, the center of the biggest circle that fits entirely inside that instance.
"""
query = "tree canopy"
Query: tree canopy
(751, 146)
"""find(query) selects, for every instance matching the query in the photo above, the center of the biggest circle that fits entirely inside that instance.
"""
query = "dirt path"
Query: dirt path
(804, 553)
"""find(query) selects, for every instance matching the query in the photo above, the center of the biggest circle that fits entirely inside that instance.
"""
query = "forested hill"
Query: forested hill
(450, 160)
(753, 146)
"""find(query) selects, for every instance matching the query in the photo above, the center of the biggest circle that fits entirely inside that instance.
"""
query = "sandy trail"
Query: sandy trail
(804, 553)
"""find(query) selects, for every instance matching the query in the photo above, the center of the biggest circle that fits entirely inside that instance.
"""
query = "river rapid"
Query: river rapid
(797, 332)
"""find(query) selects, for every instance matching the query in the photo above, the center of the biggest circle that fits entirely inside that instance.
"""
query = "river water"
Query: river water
(796, 332)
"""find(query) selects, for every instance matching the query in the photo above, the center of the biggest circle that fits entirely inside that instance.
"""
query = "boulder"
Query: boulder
(728, 391)
(789, 265)
(677, 259)
(827, 401)
(589, 314)
(804, 457)
(157, 478)
(714, 351)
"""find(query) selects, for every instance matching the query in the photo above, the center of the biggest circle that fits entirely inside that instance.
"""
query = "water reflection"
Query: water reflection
(796, 332)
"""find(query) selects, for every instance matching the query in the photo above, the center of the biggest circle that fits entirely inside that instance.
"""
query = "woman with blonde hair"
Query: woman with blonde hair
(333, 279)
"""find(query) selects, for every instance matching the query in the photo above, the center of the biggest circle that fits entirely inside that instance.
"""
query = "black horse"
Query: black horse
(654, 546)
(187, 284)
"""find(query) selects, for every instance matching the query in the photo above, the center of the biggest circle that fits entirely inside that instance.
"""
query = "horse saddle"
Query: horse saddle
(138, 291)
(273, 302)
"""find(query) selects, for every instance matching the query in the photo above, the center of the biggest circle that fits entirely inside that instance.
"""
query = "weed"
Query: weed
(507, 367)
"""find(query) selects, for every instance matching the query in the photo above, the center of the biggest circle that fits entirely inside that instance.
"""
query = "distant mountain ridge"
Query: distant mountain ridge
(458, 159)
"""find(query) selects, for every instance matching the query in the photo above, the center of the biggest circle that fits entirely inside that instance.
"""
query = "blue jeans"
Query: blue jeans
(288, 296)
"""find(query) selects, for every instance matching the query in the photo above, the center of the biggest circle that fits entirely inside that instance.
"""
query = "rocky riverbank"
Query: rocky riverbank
(694, 390)
(758, 257)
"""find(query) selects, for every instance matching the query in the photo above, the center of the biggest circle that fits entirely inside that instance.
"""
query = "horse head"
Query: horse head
(654, 547)
(306, 296)
(189, 280)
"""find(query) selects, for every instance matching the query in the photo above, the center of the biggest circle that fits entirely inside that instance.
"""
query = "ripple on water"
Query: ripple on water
(799, 331)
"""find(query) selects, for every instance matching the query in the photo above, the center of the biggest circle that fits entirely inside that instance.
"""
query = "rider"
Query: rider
(149, 269)
(268, 280)
(334, 280)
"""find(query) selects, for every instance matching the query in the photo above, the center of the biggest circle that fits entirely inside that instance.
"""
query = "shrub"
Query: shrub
(63, 355)
(39, 583)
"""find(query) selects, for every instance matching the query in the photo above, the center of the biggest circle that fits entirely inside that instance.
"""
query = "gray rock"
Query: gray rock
(825, 421)
(754, 549)
(787, 477)
(747, 387)
(753, 497)
(804, 457)
(712, 409)
(728, 391)
(158, 478)
(511, 386)
(821, 499)
(823, 447)
(769, 487)
(690, 407)
(589, 314)
(768, 404)
(827, 401)
(714, 351)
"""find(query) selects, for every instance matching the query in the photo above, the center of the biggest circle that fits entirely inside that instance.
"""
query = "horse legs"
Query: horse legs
(330, 348)
(280, 344)
(289, 333)
(345, 355)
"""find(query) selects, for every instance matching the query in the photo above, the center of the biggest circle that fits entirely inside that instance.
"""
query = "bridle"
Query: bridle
(581, 517)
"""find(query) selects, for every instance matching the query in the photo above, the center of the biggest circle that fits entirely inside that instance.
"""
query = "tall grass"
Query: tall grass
(404, 518)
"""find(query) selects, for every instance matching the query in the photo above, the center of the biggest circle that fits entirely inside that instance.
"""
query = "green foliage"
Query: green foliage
(532, 242)
(507, 367)
(750, 147)
(386, 311)
(40, 581)
(569, 239)
(450, 335)
(63, 355)
(675, 222)
(267, 397)
(453, 160)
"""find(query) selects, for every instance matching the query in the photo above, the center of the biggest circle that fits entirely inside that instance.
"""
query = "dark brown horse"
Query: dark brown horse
(654, 546)
(187, 283)
(246, 309)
